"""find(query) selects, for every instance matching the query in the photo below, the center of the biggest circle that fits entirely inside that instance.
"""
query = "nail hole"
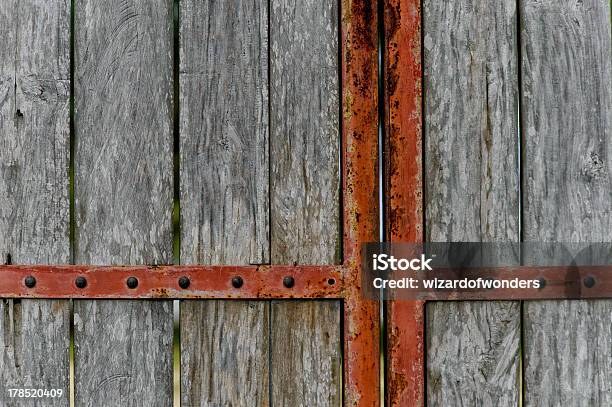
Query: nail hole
(331, 281)
(19, 113)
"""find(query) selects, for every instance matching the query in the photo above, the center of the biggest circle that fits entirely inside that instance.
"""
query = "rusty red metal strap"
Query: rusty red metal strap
(513, 283)
(179, 282)
(359, 44)
(263, 282)
(404, 189)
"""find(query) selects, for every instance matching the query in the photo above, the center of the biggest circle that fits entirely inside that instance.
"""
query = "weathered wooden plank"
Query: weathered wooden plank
(224, 353)
(471, 92)
(123, 194)
(472, 353)
(567, 124)
(305, 131)
(224, 131)
(305, 222)
(310, 349)
(34, 203)
(224, 195)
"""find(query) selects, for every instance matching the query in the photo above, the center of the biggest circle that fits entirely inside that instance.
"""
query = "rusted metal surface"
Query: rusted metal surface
(404, 189)
(406, 353)
(360, 179)
(165, 282)
(254, 282)
(555, 282)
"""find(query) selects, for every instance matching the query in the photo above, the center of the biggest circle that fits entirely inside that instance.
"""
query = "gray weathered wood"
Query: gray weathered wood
(567, 110)
(305, 131)
(306, 353)
(224, 353)
(123, 195)
(224, 131)
(305, 221)
(224, 195)
(34, 203)
(471, 137)
(472, 354)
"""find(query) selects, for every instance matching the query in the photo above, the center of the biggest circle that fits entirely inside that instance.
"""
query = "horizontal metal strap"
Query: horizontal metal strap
(171, 282)
(278, 282)
(553, 282)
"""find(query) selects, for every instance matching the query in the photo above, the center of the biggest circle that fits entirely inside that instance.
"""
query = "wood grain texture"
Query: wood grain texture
(224, 353)
(473, 354)
(471, 130)
(305, 131)
(306, 353)
(567, 127)
(305, 221)
(224, 131)
(123, 195)
(224, 195)
(34, 203)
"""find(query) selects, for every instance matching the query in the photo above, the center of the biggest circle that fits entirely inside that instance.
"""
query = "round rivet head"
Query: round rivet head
(80, 282)
(237, 282)
(542, 283)
(288, 282)
(30, 281)
(589, 282)
(132, 282)
(184, 282)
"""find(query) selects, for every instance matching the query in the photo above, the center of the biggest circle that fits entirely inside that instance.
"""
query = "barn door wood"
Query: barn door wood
(34, 197)
(117, 114)
(224, 200)
(123, 195)
(567, 189)
(471, 190)
(260, 184)
(516, 123)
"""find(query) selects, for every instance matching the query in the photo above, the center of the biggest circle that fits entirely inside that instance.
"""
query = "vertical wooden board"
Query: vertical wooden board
(34, 120)
(35, 342)
(305, 131)
(567, 184)
(471, 172)
(224, 131)
(34, 203)
(305, 222)
(123, 194)
(472, 353)
(310, 349)
(224, 195)
(224, 353)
